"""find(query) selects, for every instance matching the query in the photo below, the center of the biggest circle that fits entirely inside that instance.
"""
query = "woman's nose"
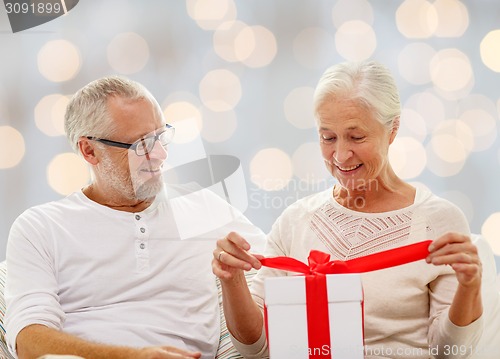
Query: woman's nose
(342, 154)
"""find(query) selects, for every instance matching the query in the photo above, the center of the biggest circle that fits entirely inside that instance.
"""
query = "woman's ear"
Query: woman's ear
(86, 148)
(395, 128)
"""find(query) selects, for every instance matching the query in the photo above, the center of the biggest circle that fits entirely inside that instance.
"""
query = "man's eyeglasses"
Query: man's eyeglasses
(145, 145)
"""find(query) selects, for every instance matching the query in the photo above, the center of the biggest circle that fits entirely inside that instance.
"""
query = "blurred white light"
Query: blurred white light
(448, 148)
(355, 40)
(49, 114)
(451, 143)
(412, 124)
(271, 169)
(128, 53)
(429, 106)
(483, 126)
(413, 63)
(59, 60)
(416, 19)
(453, 18)
(407, 157)
(457, 133)
(451, 70)
(264, 49)
(244, 43)
(220, 90)
(491, 231)
(67, 172)
(313, 48)
(440, 167)
(462, 201)
(298, 107)
(13, 147)
(58, 112)
(180, 96)
(210, 14)
(347, 10)
(477, 101)
(225, 38)
(490, 50)
(177, 113)
(308, 164)
(218, 126)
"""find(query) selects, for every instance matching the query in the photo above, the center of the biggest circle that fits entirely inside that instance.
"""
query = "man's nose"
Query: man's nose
(158, 152)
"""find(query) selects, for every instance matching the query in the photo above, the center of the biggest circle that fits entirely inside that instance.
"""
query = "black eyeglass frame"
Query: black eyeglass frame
(133, 146)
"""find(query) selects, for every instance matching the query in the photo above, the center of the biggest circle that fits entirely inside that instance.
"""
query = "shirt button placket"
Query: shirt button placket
(142, 250)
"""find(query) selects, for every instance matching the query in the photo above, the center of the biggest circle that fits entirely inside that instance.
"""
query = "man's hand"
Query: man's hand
(36, 340)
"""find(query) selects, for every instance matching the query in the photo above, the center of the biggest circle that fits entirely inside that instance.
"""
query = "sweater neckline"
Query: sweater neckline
(421, 195)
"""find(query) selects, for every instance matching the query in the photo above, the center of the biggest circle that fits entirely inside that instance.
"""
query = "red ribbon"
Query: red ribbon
(318, 327)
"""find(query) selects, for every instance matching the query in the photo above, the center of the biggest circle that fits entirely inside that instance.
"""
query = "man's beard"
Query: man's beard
(131, 187)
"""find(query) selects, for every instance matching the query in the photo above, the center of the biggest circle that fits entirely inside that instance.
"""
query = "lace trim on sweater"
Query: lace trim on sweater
(350, 236)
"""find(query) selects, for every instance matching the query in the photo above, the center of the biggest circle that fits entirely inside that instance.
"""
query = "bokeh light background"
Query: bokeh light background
(243, 73)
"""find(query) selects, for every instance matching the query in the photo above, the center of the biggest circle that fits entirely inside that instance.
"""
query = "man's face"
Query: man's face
(133, 176)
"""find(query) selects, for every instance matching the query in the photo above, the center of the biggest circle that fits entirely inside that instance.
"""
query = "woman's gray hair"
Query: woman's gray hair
(369, 82)
(87, 112)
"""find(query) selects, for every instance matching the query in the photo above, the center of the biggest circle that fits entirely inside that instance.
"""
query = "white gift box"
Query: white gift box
(285, 299)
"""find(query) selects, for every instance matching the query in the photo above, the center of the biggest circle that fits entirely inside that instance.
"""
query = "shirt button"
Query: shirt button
(143, 229)
(137, 217)
(142, 246)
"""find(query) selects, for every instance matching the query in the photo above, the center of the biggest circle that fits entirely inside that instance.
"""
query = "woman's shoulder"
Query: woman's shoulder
(432, 203)
(441, 214)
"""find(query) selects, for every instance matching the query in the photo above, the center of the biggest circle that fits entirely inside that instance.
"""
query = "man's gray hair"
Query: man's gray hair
(87, 112)
(369, 82)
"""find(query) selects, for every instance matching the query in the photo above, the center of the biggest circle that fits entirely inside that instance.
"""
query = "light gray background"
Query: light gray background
(181, 54)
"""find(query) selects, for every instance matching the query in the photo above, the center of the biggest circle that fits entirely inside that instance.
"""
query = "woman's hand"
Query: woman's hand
(458, 251)
(231, 257)
(461, 254)
(244, 318)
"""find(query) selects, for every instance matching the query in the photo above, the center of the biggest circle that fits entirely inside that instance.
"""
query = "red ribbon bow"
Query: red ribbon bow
(316, 291)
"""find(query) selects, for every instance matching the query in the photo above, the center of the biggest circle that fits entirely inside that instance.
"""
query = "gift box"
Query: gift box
(292, 336)
(320, 314)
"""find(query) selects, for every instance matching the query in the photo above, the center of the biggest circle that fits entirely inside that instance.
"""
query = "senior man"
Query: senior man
(104, 273)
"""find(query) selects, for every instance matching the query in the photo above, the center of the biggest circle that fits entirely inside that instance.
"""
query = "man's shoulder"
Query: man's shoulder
(69, 203)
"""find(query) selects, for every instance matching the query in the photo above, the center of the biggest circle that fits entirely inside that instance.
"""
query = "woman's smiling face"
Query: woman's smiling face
(353, 143)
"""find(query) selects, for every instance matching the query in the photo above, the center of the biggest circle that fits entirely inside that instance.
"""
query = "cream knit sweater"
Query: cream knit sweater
(405, 307)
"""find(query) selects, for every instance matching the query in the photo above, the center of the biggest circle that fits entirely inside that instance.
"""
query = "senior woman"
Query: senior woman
(410, 309)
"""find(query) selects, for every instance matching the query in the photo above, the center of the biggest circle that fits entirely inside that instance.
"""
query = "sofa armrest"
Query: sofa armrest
(4, 352)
